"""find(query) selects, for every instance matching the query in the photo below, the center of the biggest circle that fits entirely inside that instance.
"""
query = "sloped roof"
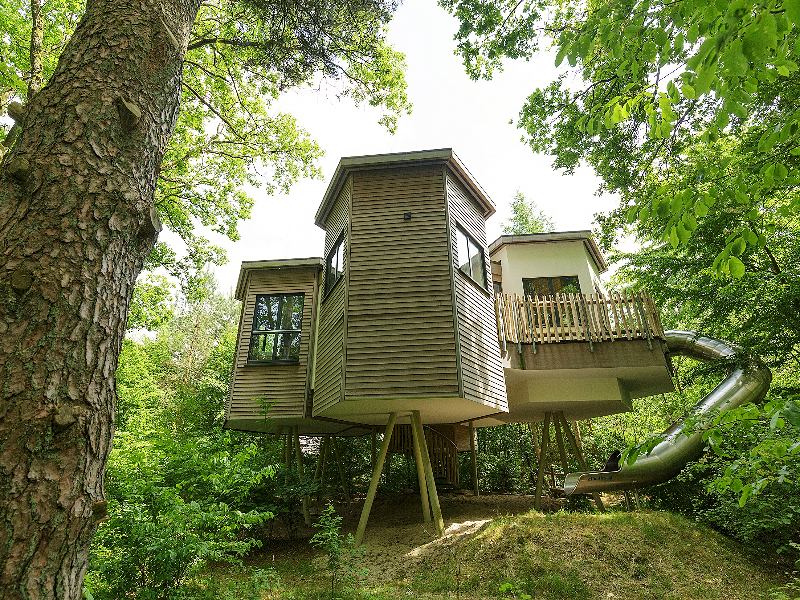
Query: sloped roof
(283, 263)
(446, 156)
(583, 235)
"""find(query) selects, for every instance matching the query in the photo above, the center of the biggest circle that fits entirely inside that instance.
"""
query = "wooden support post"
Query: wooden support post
(287, 453)
(341, 471)
(279, 440)
(376, 476)
(561, 451)
(299, 455)
(417, 443)
(322, 450)
(319, 475)
(474, 457)
(416, 422)
(636, 498)
(537, 503)
(577, 431)
(627, 495)
(579, 457)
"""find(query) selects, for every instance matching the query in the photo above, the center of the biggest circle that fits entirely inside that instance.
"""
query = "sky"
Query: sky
(450, 111)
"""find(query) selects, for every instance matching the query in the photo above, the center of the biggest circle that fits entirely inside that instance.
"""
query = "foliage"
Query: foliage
(181, 492)
(169, 515)
(343, 557)
(683, 105)
(526, 218)
(228, 137)
(151, 303)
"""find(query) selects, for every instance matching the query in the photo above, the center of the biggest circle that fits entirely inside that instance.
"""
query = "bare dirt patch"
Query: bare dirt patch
(397, 539)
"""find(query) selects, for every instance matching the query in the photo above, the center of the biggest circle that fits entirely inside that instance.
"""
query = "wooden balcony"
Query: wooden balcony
(584, 355)
(626, 315)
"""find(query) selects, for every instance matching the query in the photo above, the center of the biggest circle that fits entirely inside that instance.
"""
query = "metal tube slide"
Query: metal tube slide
(747, 382)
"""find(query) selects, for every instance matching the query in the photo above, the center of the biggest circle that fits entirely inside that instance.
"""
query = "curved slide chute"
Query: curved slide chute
(745, 383)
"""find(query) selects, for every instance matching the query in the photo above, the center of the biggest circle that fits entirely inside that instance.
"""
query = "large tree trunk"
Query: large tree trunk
(76, 223)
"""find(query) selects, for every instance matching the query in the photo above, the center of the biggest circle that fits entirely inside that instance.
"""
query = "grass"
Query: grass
(564, 556)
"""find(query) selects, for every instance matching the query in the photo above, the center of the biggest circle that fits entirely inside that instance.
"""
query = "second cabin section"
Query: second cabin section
(567, 345)
(406, 315)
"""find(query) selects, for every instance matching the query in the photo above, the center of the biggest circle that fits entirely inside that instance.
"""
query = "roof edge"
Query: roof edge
(349, 164)
(314, 262)
(583, 235)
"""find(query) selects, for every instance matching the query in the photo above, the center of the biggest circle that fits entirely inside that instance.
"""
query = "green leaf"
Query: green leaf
(792, 8)
(792, 413)
(688, 91)
(735, 267)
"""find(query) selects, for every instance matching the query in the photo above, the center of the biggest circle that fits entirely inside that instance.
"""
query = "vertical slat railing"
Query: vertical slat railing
(595, 317)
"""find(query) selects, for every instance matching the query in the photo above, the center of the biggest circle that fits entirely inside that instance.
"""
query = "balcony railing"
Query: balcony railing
(626, 315)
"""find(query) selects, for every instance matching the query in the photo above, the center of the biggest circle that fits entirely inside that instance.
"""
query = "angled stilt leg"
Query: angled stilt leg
(581, 460)
(376, 476)
(416, 422)
(537, 503)
(561, 451)
(423, 487)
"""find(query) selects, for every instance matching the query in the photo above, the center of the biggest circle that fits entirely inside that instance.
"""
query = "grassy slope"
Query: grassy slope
(643, 555)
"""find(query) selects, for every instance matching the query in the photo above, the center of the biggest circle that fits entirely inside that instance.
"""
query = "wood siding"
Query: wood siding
(479, 353)
(283, 385)
(328, 384)
(400, 329)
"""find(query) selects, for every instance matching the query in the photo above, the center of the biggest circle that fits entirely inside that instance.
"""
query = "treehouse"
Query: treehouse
(409, 318)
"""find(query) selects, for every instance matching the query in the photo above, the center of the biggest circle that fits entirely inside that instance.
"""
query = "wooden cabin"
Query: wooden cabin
(567, 346)
(397, 316)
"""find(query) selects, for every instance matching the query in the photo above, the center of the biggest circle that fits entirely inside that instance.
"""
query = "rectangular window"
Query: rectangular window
(547, 286)
(334, 265)
(277, 322)
(471, 260)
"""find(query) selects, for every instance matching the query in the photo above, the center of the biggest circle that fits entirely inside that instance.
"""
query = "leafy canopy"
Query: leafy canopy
(681, 107)
(241, 56)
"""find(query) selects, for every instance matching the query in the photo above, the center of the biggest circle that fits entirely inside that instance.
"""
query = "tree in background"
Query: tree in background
(688, 110)
(181, 492)
(526, 217)
(81, 207)
(657, 85)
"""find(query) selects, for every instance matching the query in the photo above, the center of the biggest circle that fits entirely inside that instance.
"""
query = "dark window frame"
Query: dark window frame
(471, 241)
(334, 252)
(550, 286)
(259, 333)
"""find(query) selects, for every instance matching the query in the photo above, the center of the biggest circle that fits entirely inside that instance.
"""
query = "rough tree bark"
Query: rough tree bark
(77, 221)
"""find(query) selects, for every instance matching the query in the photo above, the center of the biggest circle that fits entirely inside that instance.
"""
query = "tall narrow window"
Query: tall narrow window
(277, 322)
(471, 261)
(334, 265)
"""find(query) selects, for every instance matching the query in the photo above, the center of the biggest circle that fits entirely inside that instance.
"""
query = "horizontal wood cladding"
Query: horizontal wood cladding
(282, 386)
(328, 378)
(479, 354)
(400, 330)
